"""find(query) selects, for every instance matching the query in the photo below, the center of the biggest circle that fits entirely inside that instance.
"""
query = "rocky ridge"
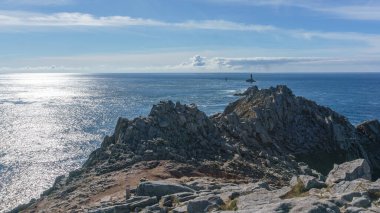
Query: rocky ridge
(241, 159)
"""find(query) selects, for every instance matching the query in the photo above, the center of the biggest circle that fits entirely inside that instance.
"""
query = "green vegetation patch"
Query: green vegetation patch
(230, 206)
(297, 191)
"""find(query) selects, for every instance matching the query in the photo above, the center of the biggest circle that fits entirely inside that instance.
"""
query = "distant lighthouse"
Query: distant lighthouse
(250, 80)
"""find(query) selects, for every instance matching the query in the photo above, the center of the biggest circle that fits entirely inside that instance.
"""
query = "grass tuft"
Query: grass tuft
(297, 191)
(230, 206)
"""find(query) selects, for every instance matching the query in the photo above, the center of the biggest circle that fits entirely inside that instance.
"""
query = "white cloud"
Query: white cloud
(66, 19)
(224, 25)
(354, 10)
(36, 2)
(276, 63)
(26, 20)
(249, 63)
(197, 61)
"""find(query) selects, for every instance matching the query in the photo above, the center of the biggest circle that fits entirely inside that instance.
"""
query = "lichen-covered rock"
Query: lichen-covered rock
(349, 171)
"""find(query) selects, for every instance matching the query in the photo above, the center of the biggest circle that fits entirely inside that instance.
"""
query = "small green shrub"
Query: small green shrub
(297, 191)
(230, 206)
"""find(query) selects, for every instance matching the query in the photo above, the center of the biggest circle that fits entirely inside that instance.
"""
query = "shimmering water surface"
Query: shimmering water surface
(49, 123)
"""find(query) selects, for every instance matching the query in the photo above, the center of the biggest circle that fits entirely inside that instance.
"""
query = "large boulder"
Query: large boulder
(349, 171)
(160, 188)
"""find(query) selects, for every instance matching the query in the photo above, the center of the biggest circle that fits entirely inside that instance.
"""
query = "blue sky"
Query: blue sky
(189, 36)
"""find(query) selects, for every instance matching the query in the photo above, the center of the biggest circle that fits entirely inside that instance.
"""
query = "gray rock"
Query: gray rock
(249, 188)
(359, 185)
(143, 203)
(295, 205)
(311, 205)
(373, 209)
(371, 131)
(180, 209)
(234, 195)
(250, 91)
(350, 196)
(353, 209)
(204, 204)
(260, 197)
(171, 200)
(374, 188)
(160, 188)
(362, 202)
(309, 182)
(155, 209)
(349, 171)
(113, 209)
(297, 126)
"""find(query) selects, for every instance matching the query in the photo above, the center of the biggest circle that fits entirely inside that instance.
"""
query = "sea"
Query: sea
(50, 123)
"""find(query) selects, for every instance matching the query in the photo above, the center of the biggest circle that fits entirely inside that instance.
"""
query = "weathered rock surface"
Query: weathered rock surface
(159, 189)
(240, 159)
(204, 204)
(349, 171)
(307, 181)
(283, 123)
(371, 130)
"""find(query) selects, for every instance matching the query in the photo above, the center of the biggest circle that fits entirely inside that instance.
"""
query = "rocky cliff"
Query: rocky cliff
(284, 123)
(265, 137)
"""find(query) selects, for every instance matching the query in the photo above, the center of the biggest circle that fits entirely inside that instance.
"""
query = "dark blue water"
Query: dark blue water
(50, 123)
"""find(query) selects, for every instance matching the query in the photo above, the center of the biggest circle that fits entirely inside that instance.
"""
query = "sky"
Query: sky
(189, 36)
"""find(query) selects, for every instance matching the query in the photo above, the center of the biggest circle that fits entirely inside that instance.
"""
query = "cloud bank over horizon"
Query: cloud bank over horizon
(194, 64)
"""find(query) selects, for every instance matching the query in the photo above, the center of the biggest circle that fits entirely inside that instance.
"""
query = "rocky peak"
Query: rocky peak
(170, 132)
(291, 124)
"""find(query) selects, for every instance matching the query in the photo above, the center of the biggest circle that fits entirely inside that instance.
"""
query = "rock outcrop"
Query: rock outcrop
(181, 160)
(283, 123)
(355, 195)
(349, 171)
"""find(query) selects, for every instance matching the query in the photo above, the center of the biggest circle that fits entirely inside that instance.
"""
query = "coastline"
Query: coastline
(260, 138)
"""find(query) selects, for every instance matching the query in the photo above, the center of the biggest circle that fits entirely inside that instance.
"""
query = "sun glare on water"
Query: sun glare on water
(44, 86)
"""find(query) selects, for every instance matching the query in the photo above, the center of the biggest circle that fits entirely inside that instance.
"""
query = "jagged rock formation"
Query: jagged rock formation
(283, 123)
(184, 134)
(266, 135)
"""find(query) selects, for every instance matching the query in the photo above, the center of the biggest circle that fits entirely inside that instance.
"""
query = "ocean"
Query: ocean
(50, 123)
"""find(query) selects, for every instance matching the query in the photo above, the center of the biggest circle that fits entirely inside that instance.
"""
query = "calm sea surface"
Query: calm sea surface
(50, 123)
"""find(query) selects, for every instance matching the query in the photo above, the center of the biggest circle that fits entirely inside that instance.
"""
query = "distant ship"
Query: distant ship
(250, 80)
